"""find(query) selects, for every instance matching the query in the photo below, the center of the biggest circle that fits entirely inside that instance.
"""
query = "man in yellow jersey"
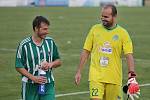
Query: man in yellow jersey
(105, 43)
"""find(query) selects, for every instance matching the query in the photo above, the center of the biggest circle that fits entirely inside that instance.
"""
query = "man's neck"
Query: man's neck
(37, 40)
(112, 27)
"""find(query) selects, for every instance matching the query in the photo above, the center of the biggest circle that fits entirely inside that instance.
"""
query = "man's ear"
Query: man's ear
(36, 29)
(115, 18)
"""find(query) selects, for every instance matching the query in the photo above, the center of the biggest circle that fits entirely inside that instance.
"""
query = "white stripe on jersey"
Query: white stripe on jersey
(24, 41)
(20, 47)
(38, 53)
(24, 78)
(19, 54)
(33, 61)
(32, 55)
(52, 59)
(49, 55)
(27, 60)
(44, 52)
(51, 50)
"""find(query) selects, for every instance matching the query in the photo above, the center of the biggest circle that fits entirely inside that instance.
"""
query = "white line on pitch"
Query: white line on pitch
(143, 85)
(74, 93)
(64, 54)
(6, 49)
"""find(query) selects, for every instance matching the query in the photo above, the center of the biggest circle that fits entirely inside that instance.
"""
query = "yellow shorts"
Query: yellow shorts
(105, 91)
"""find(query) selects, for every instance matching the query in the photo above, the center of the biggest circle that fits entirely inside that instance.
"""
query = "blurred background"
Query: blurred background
(70, 22)
(73, 3)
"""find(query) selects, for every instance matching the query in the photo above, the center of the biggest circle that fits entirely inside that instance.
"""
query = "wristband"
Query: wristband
(131, 74)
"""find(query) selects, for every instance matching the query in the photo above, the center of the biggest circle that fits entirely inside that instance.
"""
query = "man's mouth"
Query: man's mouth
(104, 22)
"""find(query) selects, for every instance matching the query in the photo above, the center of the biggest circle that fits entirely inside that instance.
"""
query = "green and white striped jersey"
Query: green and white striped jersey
(29, 56)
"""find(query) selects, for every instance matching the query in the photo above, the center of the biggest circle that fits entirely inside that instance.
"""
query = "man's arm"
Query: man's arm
(55, 64)
(83, 58)
(47, 65)
(130, 63)
(132, 88)
(36, 79)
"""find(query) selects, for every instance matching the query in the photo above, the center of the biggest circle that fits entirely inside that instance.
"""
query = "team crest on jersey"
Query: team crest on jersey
(115, 37)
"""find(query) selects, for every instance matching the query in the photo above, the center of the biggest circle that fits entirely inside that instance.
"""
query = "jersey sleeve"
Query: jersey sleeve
(20, 57)
(127, 44)
(55, 52)
(89, 41)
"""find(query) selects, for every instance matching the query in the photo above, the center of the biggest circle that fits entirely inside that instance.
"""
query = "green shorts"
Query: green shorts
(30, 92)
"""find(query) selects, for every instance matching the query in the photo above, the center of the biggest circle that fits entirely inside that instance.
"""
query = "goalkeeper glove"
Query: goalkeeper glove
(132, 88)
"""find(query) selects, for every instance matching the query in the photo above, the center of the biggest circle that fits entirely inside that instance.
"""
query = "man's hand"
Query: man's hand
(133, 86)
(40, 79)
(77, 78)
(132, 89)
(132, 96)
(44, 65)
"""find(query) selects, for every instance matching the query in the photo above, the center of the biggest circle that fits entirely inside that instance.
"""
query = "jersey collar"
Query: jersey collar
(36, 44)
(109, 29)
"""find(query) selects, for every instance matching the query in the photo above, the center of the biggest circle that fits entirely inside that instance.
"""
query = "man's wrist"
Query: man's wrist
(50, 65)
(78, 71)
(131, 74)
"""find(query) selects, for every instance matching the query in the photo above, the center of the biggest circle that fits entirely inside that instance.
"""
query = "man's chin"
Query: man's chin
(106, 26)
(42, 37)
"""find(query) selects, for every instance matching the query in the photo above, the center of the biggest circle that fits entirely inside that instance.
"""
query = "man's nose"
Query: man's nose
(46, 31)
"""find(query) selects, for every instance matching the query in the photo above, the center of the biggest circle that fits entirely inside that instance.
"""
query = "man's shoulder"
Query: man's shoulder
(97, 26)
(25, 41)
(121, 28)
(48, 38)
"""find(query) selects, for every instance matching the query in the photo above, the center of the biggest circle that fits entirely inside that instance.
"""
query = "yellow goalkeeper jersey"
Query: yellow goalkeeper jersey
(106, 47)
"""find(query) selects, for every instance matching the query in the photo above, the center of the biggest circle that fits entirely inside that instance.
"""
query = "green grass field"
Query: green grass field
(69, 24)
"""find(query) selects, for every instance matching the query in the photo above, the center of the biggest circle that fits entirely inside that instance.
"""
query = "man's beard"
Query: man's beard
(41, 35)
(107, 24)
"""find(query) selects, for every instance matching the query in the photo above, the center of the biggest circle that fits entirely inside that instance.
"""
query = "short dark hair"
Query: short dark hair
(38, 20)
(113, 7)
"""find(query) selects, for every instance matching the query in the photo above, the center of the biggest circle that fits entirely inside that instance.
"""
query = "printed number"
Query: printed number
(94, 92)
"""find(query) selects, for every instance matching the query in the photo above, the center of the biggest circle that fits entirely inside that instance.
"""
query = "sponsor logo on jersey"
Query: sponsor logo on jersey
(106, 48)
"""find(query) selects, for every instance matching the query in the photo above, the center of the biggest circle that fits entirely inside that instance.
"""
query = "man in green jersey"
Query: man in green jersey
(35, 53)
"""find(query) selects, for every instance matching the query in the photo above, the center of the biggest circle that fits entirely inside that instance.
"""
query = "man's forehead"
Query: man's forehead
(43, 24)
(107, 9)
